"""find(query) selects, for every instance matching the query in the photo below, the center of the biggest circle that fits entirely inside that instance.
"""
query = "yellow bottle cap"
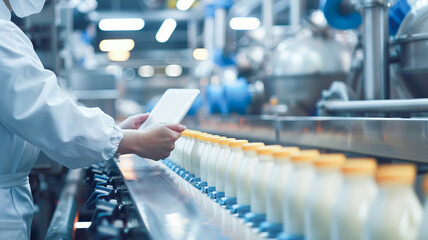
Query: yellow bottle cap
(268, 150)
(305, 156)
(252, 146)
(188, 132)
(360, 166)
(203, 137)
(185, 133)
(396, 173)
(194, 134)
(237, 143)
(285, 152)
(215, 139)
(225, 142)
(331, 160)
(208, 139)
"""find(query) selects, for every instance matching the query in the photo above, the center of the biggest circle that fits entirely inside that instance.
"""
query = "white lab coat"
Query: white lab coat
(33, 116)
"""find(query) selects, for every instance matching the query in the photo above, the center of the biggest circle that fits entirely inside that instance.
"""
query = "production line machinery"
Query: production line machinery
(136, 198)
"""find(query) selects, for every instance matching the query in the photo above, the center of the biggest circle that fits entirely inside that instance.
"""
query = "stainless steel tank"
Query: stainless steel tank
(306, 64)
(251, 53)
(412, 44)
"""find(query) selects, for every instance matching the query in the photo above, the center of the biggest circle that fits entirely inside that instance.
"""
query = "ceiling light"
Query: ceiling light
(173, 70)
(165, 31)
(200, 54)
(118, 56)
(109, 45)
(146, 71)
(184, 5)
(244, 23)
(82, 225)
(121, 24)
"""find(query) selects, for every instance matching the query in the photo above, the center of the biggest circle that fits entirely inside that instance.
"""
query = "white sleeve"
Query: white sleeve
(32, 107)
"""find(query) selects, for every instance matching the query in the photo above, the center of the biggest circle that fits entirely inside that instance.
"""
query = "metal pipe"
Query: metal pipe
(376, 49)
(295, 13)
(220, 28)
(209, 36)
(268, 22)
(380, 106)
(61, 226)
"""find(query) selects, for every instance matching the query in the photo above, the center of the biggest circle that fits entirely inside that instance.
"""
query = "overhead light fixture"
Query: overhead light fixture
(121, 24)
(146, 71)
(109, 45)
(200, 54)
(184, 5)
(244, 23)
(173, 70)
(118, 56)
(166, 29)
(82, 225)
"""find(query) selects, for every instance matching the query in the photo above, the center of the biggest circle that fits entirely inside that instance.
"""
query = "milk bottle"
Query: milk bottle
(296, 191)
(231, 174)
(276, 190)
(396, 212)
(243, 182)
(355, 198)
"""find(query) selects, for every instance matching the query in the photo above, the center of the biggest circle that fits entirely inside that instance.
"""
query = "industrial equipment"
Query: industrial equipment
(336, 81)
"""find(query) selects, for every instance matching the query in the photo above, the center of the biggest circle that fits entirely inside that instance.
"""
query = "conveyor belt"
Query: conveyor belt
(171, 208)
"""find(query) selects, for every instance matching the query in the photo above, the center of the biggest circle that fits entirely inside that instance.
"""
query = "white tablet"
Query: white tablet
(172, 107)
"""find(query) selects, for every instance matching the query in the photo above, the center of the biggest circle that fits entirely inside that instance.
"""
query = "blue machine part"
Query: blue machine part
(222, 59)
(210, 10)
(396, 14)
(238, 96)
(336, 18)
(195, 107)
(224, 3)
(216, 99)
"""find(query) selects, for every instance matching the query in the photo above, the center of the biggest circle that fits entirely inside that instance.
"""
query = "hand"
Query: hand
(155, 142)
(134, 122)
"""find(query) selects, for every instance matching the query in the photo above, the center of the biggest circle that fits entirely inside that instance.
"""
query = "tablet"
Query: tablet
(172, 107)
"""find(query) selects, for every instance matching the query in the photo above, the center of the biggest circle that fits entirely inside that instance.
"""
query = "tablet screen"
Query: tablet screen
(172, 107)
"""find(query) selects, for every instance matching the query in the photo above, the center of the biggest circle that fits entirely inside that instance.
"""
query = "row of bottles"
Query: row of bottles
(288, 193)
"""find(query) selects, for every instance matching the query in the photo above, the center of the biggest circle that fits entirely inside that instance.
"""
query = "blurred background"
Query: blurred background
(337, 75)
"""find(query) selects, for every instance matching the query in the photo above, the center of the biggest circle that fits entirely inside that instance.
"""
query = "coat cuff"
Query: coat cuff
(113, 142)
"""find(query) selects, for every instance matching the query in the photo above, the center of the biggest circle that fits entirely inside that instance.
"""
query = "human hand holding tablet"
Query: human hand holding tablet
(155, 138)
(172, 107)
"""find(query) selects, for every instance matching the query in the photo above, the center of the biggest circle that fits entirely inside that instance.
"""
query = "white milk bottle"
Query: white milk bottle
(276, 189)
(180, 155)
(296, 191)
(220, 166)
(259, 179)
(230, 175)
(187, 154)
(232, 168)
(423, 230)
(355, 199)
(204, 159)
(212, 158)
(193, 156)
(323, 196)
(197, 160)
(186, 143)
(243, 182)
(396, 212)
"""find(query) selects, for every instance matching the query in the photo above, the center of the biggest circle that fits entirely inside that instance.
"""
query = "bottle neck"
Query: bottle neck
(395, 187)
(328, 171)
(250, 153)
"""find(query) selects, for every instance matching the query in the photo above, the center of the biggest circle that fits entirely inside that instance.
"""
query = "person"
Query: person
(35, 116)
